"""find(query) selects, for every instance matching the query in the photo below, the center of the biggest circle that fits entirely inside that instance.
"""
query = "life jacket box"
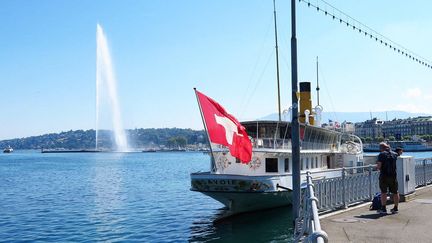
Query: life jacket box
(405, 166)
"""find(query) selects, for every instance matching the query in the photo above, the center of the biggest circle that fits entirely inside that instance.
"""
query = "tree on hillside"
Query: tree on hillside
(175, 142)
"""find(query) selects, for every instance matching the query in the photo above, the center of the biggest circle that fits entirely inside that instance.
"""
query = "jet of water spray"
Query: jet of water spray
(105, 76)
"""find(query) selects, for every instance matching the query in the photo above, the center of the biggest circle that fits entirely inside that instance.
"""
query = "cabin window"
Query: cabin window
(287, 169)
(316, 162)
(271, 165)
(302, 164)
(307, 163)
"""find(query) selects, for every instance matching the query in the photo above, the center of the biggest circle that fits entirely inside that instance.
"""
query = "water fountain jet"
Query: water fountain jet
(105, 78)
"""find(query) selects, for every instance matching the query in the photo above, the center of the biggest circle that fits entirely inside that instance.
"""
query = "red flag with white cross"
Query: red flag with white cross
(224, 129)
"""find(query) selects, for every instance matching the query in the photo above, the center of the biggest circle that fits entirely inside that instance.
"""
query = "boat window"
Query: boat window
(302, 164)
(262, 132)
(271, 165)
(307, 163)
(316, 162)
(237, 160)
(287, 169)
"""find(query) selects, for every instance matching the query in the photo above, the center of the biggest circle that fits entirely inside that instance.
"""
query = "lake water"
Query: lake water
(416, 155)
(142, 197)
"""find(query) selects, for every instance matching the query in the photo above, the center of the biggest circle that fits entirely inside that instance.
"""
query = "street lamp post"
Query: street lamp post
(295, 127)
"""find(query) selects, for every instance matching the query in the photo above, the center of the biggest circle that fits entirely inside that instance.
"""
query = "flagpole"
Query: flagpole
(213, 164)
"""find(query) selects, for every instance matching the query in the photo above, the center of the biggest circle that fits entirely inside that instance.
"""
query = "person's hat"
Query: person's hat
(384, 145)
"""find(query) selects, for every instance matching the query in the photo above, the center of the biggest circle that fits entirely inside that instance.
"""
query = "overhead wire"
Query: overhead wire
(363, 29)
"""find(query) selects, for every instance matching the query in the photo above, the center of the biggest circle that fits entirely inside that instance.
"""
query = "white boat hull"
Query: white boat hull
(8, 151)
(243, 193)
(238, 202)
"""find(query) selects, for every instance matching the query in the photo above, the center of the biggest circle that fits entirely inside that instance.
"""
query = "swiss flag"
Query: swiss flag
(224, 129)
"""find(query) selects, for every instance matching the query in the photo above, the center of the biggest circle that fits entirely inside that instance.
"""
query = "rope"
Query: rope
(363, 29)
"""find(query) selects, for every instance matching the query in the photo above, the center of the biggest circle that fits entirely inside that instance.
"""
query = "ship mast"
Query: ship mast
(277, 60)
(317, 88)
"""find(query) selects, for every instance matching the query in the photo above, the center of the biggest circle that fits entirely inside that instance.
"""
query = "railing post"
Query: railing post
(344, 189)
(424, 172)
(370, 183)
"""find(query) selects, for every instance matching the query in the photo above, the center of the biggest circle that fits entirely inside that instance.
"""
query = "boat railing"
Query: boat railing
(272, 143)
(318, 146)
(308, 226)
(352, 144)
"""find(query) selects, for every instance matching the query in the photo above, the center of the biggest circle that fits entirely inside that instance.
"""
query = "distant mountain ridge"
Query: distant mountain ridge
(358, 116)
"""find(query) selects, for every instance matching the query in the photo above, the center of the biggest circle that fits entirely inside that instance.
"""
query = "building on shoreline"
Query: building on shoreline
(369, 128)
(397, 128)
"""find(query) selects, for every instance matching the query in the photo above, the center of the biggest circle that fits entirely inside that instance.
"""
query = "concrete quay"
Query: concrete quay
(413, 223)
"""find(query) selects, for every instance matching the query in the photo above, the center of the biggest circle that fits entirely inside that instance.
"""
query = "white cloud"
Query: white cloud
(415, 100)
(413, 93)
(411, 108)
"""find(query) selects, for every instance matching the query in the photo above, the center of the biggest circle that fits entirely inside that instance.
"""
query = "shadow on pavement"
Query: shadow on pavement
(371, 216)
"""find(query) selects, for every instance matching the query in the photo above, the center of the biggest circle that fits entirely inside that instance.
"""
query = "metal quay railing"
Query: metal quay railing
(307, 226)
(356, 184)
(423, 171)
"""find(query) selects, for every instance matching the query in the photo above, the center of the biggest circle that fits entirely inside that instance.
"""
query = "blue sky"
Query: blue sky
(162, 49)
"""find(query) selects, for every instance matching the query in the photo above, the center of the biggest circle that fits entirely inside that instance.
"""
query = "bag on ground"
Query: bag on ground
(376, 202)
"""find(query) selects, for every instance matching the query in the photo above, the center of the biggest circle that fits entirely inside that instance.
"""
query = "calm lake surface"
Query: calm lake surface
(142, 197)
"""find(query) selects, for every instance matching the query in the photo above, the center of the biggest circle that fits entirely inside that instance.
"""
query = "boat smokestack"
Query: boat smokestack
(306, 103)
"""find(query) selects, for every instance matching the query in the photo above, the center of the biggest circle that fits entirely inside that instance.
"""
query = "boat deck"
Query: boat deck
(411, 224)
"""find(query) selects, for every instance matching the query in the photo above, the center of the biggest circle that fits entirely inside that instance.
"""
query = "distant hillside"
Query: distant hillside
(359, 116)
(138, 138)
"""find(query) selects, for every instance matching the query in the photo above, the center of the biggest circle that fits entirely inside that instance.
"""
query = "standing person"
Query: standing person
(386, 164)
(399, 151)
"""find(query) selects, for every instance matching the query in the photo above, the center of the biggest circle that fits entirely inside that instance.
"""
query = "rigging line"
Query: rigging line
(286, 132)
(283, 50)
(324, 83)
(286, 64)
(377, 36)
(260, 78)
(254, 70)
